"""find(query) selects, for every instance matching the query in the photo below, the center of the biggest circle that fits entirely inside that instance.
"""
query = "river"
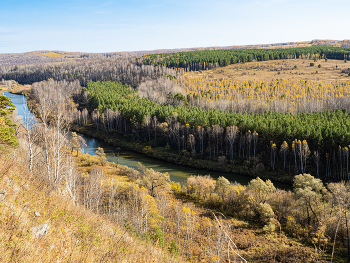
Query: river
(178, 173)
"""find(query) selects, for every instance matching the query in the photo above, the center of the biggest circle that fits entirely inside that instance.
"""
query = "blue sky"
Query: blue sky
(111, 25)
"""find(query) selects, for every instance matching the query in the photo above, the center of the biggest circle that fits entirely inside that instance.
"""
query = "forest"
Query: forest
(272, 138)
(160, 107)
(285, 129)
(256, 96)
(202, 60)
(201, 220)
(126, 70)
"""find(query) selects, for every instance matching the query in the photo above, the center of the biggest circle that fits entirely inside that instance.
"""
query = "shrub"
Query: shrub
(173, 249)
(176, 187)
(292, 227)
(270, 227)
(147, 150)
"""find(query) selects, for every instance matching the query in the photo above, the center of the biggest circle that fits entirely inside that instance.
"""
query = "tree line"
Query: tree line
(125, 70)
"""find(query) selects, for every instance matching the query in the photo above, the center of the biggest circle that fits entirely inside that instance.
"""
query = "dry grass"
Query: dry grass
(17, 89)
(75, 234)
(269, 70)
(3, 87)
(119, 173)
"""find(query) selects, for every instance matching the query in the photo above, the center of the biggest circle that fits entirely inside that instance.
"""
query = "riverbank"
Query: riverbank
(252, 169)
(16, 89)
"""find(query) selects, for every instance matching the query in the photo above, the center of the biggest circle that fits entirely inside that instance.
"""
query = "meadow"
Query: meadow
(298, 69)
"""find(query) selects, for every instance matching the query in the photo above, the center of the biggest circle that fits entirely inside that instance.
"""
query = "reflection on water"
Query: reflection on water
(19, 101)
(177, 173)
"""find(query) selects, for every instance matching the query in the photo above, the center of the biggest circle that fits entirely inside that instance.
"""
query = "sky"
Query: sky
(133, 25)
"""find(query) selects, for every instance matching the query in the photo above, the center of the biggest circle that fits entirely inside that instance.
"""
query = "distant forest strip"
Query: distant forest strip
(133, 71)
(207, 59)
(292, 138)
(125, 70)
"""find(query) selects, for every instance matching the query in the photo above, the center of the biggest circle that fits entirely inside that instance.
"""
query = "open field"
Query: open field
(280, 69)
(53, 54)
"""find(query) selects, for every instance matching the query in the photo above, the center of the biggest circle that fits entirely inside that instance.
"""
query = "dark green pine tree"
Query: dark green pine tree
(7, 136)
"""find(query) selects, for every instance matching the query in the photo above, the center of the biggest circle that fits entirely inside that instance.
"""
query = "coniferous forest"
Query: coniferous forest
(201, 60)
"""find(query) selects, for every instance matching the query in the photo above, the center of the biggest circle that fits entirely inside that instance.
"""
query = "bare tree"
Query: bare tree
(192, 143)
(284, 153)
(147, 123)
(201, 134)
(32, 134)
(93, 186)
(155, 121)
(231, 133)
(72, 179)
(316, 158)
(273, 154)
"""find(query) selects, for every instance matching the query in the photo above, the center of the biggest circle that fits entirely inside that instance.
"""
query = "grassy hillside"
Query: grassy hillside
(74, 233)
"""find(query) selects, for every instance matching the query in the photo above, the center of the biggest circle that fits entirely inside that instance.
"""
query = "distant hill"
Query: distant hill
(316, 42)
(45, 56)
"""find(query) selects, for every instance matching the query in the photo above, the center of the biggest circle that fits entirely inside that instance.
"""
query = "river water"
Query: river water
(178, 173)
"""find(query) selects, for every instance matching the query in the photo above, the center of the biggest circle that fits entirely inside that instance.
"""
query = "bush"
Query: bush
(176, 187)
(173, 249)
(147, 150)
(270, 227)
(312, 64)
(292, 227)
